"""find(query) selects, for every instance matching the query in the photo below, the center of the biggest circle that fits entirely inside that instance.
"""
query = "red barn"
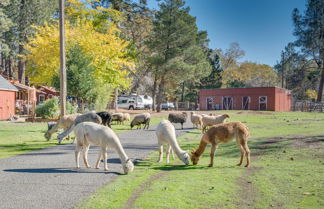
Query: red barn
(257, 98)
(7, 99)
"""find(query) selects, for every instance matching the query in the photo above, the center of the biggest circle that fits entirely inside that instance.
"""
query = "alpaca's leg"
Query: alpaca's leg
(172, 152)
(247, 153)
(181, 125)
(104, 154)
(98, 159)
(168, 154)
(242, 154)
(85, 156)
(160, 153)
(77, 155)
(212, 154)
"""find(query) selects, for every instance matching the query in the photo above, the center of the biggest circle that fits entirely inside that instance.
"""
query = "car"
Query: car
(167, 106)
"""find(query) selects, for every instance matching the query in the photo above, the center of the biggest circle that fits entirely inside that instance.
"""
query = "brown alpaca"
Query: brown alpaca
(223, 133)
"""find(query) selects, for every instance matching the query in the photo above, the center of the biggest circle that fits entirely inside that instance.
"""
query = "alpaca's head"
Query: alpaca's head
(185, 158)
(60, 138)
(128, 166)
(226, 116)
(47, 135)
(194, 158)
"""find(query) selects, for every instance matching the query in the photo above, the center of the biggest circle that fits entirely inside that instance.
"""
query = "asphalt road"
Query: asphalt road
(47, 178)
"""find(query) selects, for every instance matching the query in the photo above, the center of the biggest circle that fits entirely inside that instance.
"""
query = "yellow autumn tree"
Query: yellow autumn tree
(249, 74)
(95, 32)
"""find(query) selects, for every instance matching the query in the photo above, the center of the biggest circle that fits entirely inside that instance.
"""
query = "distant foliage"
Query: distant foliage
(49, 110)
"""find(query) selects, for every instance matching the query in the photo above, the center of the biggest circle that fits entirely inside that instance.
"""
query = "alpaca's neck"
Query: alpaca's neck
(176, 148)
(201, 148)
(122, 155)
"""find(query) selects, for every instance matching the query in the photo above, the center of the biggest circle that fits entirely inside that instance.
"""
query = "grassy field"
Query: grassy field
(18, 138)
(286, 171)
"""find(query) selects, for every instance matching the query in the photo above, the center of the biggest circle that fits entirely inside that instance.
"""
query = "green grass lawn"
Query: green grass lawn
(18, 138)
(287, 168)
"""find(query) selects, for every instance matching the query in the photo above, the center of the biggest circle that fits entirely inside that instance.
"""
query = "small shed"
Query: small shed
(7, 99)
(256, 98)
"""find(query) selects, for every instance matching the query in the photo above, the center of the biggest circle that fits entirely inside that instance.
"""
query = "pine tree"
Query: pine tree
(177, 54)
(309, 30)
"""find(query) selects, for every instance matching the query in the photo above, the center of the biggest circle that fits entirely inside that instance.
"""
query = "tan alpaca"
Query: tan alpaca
(224, 133)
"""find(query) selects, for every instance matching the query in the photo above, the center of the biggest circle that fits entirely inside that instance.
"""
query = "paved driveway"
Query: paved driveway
(47, 179)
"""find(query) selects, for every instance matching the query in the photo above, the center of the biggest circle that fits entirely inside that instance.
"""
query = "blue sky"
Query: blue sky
(262, 27)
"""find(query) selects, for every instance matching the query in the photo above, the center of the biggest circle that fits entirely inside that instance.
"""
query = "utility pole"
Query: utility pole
(62, 61)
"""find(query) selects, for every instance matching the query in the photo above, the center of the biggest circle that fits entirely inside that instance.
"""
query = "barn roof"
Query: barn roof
(6, 85)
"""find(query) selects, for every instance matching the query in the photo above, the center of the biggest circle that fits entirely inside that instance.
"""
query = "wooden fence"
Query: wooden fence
(308, 106)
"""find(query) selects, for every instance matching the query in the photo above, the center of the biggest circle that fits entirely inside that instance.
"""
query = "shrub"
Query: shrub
(50, 109)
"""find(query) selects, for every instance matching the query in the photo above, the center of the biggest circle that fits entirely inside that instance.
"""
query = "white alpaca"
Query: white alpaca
(165, 133)
(95, 134)
(196, 120)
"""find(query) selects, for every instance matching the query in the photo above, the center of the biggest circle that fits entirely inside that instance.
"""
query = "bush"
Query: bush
(50, 109)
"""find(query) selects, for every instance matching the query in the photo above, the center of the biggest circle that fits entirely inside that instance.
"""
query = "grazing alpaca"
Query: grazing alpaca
(140, 119)
(91, 133)
(105, 117)
(64, 122)
(165, 133)
(178, 118)
(118, 117)
(89, 116)
(213, 120)
(224, 133)
(196, 120)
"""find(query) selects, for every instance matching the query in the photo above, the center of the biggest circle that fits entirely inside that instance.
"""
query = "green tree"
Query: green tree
(309, 30)
(25, 14)
(177, 55)
(80, 76)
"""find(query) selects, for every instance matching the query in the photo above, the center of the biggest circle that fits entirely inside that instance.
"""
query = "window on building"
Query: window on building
(263, 102)
(41, 98)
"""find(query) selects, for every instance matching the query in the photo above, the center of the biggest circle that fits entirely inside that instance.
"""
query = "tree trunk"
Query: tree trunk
(154, 92)
(160, 94)
(182, 91)
(116, 100)
(320, 90)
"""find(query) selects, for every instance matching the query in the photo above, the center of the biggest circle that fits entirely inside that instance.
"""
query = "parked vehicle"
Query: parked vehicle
(135, 102)
(167, 106)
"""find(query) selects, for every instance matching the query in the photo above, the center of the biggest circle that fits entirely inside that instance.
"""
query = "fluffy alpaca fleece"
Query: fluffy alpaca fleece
(196, 120)
(165, 133)
(64, 122)
(178, 118)
(118, 117)
(89, 116)
(89, 133)
(126, 117)
(213, 120)
(105, 117)
(140, 119)
(224, 133)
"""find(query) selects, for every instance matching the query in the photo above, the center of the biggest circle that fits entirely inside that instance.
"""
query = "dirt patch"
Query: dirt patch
(298, 141)
(142, 187)
(255, 113)
(248, 192)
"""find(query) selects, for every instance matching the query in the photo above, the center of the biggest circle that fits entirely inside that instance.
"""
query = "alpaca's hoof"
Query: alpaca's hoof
(97, 167)
(106, 169)
(247, 166)
(88, 166)
(239, 164)
(210, 165)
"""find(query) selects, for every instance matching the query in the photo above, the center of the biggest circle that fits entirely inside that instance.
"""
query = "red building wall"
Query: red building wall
(278, 99)
(7, 104)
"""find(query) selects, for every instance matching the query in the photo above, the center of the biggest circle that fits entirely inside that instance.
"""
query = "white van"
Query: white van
(135, 101)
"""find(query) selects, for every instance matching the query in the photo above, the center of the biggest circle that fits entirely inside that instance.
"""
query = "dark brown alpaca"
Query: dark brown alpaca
(224, 133)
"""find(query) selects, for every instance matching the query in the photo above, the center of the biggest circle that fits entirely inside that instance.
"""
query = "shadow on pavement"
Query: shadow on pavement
(59, 170)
